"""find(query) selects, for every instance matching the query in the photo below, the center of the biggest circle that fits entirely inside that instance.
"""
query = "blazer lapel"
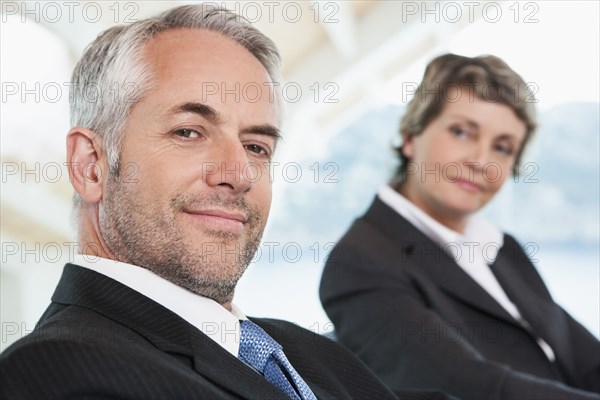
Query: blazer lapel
(218, 365)
(532, 308)
(163, 328)
(85, 288)
(425, 257)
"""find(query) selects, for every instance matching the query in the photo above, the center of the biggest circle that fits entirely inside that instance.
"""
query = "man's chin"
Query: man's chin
(220, 290)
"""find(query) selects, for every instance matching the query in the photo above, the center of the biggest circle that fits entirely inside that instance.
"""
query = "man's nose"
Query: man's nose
(229, 168)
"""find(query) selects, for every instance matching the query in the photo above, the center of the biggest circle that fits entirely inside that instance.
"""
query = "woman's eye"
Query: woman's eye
(458, 131)
(187, 133)
(257, 149)
(504, 149)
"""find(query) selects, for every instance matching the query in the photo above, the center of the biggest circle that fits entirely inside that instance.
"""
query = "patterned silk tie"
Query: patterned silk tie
(263, 353)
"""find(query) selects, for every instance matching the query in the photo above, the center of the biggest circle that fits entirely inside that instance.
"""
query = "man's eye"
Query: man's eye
(187, 133)
(257, 149)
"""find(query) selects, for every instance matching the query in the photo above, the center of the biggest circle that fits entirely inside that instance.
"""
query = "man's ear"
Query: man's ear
(408, 144)
(86, 163)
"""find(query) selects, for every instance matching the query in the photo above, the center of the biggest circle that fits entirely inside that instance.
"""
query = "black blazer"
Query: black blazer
(99, 339)
(418, 320)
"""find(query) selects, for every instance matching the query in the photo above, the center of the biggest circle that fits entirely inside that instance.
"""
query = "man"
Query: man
(172, 196)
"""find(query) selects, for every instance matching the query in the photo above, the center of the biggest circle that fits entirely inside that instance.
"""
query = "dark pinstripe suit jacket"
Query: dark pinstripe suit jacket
(100, 339)
(417, 319)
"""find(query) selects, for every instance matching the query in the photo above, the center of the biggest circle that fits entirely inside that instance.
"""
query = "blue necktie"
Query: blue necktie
(264, 354)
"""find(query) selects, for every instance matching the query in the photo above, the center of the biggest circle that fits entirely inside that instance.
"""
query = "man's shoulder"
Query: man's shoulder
(77, 352)
(310, 351)
(72, 330)
(318, 359)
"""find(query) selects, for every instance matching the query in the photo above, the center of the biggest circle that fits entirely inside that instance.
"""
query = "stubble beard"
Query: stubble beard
(154, 239)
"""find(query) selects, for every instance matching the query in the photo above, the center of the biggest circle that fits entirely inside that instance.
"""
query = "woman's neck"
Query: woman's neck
(457, 223)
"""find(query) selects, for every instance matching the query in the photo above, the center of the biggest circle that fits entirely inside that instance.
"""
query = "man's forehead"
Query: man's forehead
(203, 67)
(188, 42)
(182, 36)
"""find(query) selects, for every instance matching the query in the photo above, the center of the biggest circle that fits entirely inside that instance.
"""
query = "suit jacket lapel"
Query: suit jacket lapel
(424, 256)
(163, 328)
(532, 308)
(218, 365)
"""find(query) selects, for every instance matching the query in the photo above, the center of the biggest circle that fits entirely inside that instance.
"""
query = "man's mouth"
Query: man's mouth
(219, 219)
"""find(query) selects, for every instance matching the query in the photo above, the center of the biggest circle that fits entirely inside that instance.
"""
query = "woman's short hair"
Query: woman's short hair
(449, 76)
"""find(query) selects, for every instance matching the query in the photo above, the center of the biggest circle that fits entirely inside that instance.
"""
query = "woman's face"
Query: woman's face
(462, 158)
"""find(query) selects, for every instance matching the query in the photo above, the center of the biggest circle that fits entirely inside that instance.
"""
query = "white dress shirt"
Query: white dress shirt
(474, 251)
(205, 314)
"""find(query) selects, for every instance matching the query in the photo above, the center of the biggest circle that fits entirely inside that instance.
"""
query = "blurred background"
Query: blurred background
(350, 68)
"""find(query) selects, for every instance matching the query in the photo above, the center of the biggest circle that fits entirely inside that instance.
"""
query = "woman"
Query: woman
(431, 296)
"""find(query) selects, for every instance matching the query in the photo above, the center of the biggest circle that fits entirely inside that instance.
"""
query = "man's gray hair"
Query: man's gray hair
(112, 76)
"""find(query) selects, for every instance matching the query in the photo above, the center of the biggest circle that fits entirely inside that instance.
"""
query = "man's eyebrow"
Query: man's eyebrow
(206, 111)
(266, 129)
(201, 109)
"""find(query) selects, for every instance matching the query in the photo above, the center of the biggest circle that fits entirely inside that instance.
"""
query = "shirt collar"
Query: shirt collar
(477, 229)
(205, 314)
